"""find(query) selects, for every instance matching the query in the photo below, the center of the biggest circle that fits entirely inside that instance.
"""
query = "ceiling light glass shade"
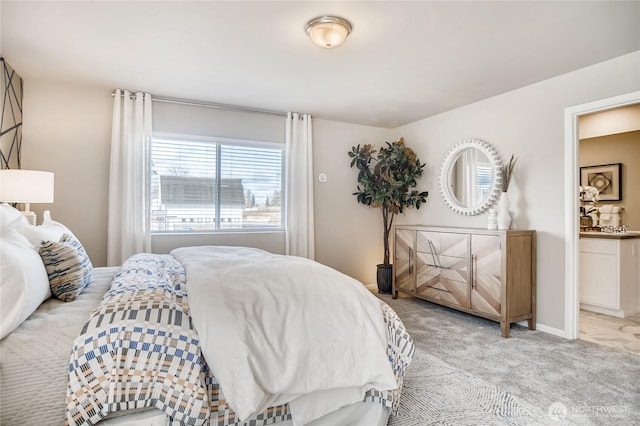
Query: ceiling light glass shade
(26, 186)
(328, 31)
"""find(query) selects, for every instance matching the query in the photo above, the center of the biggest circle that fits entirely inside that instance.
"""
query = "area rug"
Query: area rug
(436, 393)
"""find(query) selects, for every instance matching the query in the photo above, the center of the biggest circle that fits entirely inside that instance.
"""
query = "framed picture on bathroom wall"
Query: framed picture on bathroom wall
(607, 178)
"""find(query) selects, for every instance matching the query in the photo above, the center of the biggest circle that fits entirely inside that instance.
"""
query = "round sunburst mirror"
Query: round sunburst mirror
(471, 177)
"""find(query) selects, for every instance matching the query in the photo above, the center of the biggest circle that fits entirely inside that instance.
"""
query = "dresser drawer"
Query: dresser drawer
(443, 243)
(443, 278)
(598, 245)
(439, 288)
(448, 267)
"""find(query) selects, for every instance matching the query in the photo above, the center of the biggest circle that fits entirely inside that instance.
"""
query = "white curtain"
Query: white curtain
(300, 240)
(128, 229)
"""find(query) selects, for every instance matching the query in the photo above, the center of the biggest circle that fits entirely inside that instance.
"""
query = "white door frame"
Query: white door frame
(571, 183)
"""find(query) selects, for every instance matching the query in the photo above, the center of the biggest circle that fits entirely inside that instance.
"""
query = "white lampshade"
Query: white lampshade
(328, 31)
(26, 186)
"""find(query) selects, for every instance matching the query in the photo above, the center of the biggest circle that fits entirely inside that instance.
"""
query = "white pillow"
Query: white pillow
(24, 283)
(50, 230)
(8, 214)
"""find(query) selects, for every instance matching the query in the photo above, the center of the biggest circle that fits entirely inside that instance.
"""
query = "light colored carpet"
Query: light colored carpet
(596, 385)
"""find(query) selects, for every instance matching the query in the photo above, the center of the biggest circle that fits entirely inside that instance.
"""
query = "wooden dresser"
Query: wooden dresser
(489, 273)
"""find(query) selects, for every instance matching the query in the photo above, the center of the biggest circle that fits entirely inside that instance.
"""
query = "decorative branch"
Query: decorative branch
(507, 172)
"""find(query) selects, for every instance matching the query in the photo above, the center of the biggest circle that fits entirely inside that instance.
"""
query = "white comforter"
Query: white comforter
(277, 329)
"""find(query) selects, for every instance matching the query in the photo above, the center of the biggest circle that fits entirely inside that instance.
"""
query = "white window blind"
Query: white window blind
(213, 184)
(484, 177)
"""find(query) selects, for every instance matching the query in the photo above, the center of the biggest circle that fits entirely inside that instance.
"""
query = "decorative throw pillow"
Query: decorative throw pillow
(68, 267)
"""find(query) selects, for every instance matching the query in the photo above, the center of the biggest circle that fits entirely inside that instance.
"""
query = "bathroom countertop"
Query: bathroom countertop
(611, 235)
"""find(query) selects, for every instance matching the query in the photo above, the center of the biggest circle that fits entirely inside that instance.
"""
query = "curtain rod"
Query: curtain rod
(211, 105)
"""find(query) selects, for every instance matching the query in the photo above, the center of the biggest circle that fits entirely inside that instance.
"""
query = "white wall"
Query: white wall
(348, 235)
(67, 130)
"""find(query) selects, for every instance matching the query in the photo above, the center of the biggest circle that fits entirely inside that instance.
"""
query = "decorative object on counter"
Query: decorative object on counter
(493, 219)
(504, 217)
(606, 178)
(591, 229)
(610, 215)
(622, 229)
(589, 196)
(385, 181)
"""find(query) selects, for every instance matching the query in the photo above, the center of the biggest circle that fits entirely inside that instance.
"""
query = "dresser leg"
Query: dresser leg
(505, 328)
(532, 323)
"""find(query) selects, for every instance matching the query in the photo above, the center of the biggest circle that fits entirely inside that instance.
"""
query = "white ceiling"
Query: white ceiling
(403, 61)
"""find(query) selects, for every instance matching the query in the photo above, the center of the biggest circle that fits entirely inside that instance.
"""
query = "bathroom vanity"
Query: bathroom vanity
(610, 273)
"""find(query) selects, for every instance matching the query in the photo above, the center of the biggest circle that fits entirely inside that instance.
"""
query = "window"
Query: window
(212, 184)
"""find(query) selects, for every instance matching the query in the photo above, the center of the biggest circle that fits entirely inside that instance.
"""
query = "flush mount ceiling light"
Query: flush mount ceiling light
(328, 31)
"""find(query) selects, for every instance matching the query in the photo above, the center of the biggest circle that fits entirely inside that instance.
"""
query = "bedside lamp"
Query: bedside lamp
(26, 186)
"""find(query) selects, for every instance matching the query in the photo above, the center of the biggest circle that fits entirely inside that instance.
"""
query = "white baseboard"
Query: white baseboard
(547, 329)
(619, 313)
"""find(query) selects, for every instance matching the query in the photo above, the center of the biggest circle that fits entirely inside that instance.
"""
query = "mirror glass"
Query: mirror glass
(470, 177)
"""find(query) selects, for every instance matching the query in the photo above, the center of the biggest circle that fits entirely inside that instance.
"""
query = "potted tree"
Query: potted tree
(385, 181)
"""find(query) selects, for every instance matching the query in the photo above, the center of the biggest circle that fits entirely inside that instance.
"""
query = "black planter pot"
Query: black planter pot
(385, 278)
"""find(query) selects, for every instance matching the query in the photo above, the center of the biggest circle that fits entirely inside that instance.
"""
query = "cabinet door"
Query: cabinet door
(599, 280)
(403, 266)
(486, 282)
(599, 272)
(442, 261)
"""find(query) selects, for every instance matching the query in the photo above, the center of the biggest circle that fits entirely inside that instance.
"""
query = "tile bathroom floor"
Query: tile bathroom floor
(622, 333)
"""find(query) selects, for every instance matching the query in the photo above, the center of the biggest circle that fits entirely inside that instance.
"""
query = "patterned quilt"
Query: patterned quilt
(138, 349)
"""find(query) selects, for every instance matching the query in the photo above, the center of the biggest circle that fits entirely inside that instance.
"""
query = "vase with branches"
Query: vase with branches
(386, 179)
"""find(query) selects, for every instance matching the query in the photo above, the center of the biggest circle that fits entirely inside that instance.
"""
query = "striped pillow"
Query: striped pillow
(68, 266)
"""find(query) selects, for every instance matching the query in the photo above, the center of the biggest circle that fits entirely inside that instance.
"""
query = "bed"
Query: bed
(204, 335)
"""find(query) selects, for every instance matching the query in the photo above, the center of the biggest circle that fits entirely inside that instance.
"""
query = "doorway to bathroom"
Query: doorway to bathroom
(609, 160)
(572, 182)
(587, 127)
